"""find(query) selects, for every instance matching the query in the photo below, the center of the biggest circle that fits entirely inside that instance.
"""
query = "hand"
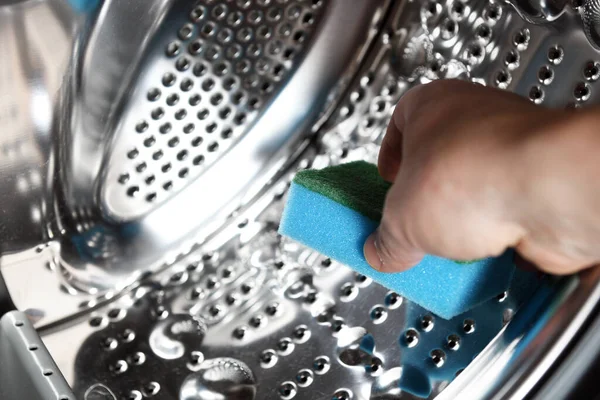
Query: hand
(477, 170)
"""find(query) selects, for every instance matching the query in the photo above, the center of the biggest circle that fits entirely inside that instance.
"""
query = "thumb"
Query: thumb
(387, 250)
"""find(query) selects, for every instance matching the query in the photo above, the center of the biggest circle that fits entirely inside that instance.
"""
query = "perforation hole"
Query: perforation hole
(182, 155)
(172, 99)
(210, 128)
(227, 133)
(141, 127)
(521, 39)
(555, 54)
(173, 49)
(169, 79)
(183, 64)
(536, 94)
(165, 128)
(188, 128)
(195, 100)
(133, 191)
(180, 114)
(244, 76)
(150, 141)
(153, 94)
(185, 32)
(198, 160)
(213, 147)
(545, 75)
(186, 85)
(199, 69)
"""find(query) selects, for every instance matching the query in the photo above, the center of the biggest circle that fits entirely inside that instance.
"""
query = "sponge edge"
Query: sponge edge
(442, 286)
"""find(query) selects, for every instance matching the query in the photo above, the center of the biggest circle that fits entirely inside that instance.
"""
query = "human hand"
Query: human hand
(477, 170)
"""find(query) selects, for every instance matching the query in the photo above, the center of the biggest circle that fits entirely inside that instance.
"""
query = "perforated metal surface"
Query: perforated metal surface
(214, 67)
(29, 372)
(273, 321)
(247, 314)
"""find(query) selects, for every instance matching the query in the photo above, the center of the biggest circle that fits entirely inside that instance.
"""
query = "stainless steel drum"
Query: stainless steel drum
(145, 151)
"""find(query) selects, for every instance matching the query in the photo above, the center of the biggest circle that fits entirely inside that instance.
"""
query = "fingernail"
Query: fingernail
(372, 253)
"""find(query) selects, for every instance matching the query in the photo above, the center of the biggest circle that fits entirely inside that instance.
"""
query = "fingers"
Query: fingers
(388, 248)
(390, 155)
(388, 251)
(464, 198)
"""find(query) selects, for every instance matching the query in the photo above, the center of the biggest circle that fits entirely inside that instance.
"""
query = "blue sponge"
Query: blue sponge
(328, 210)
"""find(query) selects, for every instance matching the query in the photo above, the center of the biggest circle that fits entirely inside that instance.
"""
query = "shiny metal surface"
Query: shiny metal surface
(231, 310)
(34, 51)
(130, 232)
(540, 11)
(29, 371)
(212, 69)
(104, 239)
(591, 21)
(553, 321)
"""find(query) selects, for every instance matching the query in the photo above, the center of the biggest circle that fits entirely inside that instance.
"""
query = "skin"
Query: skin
(477, 170)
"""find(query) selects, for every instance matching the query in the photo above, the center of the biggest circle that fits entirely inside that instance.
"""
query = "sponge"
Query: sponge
(335, 209)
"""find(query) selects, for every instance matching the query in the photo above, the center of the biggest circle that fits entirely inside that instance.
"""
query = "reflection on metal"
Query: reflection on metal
(146, 148)
(590, 12)
(540, 11)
